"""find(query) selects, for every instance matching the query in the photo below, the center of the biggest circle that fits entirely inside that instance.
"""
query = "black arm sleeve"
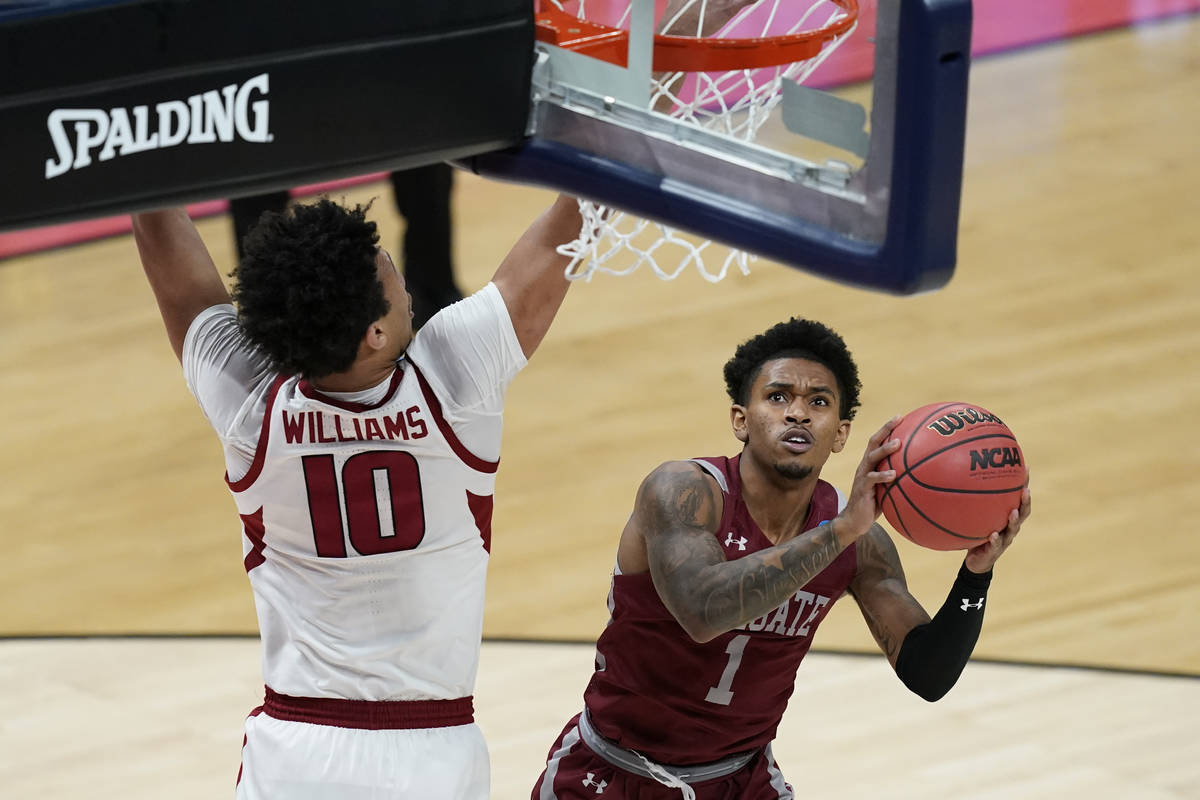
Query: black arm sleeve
(933, 655)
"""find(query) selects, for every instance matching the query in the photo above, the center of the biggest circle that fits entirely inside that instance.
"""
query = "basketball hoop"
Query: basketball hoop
(676, 53)
(717, 65)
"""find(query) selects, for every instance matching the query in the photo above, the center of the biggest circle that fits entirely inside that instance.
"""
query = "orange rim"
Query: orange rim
(691, 53)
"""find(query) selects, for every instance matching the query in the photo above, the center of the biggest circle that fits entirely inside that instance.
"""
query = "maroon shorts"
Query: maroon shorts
(574, 772)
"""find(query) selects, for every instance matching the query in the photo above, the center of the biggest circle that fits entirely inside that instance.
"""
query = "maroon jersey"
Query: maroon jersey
(676, 701)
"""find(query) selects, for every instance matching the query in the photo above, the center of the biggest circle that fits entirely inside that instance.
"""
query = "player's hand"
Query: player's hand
(982, 557)
(862, 507)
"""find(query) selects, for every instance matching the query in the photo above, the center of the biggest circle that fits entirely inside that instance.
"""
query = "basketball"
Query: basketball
(959, 472)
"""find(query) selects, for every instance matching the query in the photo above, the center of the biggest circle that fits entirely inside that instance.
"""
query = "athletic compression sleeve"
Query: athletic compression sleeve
(933, 655)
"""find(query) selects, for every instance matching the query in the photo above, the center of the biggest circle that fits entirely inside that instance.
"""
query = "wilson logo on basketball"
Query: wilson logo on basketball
(995, 458)
(233, 112)
(954, 421)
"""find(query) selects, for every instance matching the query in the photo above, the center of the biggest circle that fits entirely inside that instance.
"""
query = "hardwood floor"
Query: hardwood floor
(149, 718)
(1074, 315)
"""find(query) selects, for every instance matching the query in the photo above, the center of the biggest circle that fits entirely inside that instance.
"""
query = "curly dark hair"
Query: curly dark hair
(796, 338)
(307, 288)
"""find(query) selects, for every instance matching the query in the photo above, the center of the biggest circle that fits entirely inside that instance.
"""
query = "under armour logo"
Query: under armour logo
(967, 604)
(740, 541)
(589, 781)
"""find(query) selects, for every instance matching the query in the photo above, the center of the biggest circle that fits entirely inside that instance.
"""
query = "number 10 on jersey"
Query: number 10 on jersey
(380, 492)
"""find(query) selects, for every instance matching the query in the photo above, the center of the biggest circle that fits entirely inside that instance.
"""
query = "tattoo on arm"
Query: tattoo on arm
(758, 583)
(680, 515)
(887, 642)
(706, 593)
(881, 592)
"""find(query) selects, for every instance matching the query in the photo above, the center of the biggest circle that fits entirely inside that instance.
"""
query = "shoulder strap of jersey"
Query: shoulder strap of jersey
(716, 473)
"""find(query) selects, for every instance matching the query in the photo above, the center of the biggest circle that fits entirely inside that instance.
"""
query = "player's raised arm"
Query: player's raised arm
(181, 273)
(928, 655)
(881, 591)
(676, 514)
(531, 278)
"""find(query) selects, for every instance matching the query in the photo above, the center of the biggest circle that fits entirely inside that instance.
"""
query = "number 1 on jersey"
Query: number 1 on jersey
(375, 484)
(721, 694)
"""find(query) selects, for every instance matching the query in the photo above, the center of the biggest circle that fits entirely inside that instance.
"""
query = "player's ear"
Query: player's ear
(376, 337)
(737, 418)
(843, 435)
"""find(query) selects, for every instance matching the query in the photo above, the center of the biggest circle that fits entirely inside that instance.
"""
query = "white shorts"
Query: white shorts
(285, 760)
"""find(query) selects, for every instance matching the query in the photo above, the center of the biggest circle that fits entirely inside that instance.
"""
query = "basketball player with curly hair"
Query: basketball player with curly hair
(362, 461)
(724, 571)
(422, 196)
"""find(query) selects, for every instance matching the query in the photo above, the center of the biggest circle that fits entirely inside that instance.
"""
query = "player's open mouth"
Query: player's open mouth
(797, 441)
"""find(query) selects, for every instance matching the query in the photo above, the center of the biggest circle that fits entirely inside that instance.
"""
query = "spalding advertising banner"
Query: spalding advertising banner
(109, 107)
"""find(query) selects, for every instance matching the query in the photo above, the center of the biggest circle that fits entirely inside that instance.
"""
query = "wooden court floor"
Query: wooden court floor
(162, 718)
(1074, 315)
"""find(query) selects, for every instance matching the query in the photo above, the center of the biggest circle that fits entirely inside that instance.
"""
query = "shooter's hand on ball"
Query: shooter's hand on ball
(862, 507)
(981, 558)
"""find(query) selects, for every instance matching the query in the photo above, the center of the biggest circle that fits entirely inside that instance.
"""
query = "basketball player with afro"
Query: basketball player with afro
(724, 571)
(362, 459)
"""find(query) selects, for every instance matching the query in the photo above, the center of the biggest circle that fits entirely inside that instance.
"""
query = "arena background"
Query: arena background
(129, 658)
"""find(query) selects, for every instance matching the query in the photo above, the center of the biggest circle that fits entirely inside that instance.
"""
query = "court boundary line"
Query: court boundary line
(1065, 665)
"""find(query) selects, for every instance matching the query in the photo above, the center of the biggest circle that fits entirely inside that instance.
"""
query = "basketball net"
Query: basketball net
(734, 102)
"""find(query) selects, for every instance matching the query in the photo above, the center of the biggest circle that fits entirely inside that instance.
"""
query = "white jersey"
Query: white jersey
(366, 517)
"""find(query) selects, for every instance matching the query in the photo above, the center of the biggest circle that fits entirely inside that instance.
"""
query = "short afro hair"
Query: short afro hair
(796, 338)
(307, 286)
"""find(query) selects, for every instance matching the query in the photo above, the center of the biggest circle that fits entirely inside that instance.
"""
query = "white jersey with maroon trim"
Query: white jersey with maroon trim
(366, 517)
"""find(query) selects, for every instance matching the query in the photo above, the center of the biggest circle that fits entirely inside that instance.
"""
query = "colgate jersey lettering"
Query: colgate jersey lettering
(793, 618)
